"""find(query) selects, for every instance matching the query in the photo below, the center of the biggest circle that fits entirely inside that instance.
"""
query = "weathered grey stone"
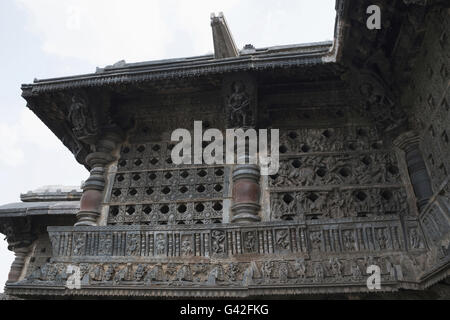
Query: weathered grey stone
(363, 180)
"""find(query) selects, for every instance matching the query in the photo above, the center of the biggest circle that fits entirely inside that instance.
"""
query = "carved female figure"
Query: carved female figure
(218, 238)
(79, 117)
(239, 104)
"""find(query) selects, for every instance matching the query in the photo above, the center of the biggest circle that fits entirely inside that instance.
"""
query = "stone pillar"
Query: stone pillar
(246, 190)
(409, 143)
(240, 97)
(20, 238)
(91, 200)
(246, 194)
(18, 263)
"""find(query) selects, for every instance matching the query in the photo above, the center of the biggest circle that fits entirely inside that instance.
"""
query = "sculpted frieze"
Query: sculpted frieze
(342, 169)
(338, 203)
(234, 274)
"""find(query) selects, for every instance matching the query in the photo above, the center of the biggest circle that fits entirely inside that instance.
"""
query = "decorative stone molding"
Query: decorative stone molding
(307, 238)
(304, 257)
(420, 180)
(52, 193)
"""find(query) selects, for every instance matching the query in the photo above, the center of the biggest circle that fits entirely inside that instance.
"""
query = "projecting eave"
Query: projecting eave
(122, 73)
(26, 209)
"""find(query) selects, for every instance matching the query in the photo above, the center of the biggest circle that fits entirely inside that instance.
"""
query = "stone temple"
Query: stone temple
(364, 172)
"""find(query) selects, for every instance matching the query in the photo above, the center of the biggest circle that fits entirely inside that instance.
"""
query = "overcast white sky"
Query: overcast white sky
(49, 38)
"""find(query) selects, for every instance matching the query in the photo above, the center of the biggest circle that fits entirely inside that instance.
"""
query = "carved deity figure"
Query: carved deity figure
(250, 242)
(249, 273)
(109, 273)
(139, 273)
(318, 272)
(239, 104)
(132, 245)
(155, 274)
(105, 246)
(160, 244)
(184, 273)
(416, 242)
(61, 275)
(172, 219)
(316, 240)
(121, 275)
(277, 207)
(336, 204)
(79, 245)
(300, 204)
(96, 273)
(80, 118)
(216, 274)
(349, 240)
(300, 268)
(336, 267)
(381, 238)
(266, 270)
(232, 272)
(218, 238)
(84, 272)
(390, 267)
(186, 247)
(355, 271)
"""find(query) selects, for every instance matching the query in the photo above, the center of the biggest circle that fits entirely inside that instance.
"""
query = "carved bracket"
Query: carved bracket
(20, 236)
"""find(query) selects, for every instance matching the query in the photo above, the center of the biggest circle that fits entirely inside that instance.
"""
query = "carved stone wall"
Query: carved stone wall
(149, 189)
(301, 255)
(427, 98)
(337, 172)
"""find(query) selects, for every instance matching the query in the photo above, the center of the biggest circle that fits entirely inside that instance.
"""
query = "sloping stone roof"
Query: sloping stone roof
(53, 193)
(47, 200)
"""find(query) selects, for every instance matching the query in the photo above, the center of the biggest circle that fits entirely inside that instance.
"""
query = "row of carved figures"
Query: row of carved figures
(329, 139)
(299, 271)
(338, 203)
(346, 169)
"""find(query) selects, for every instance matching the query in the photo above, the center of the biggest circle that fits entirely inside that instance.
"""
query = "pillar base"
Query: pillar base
(87, 219)
(245, 213)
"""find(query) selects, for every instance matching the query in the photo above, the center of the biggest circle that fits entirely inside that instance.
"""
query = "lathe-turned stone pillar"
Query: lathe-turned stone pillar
(420, 180)
(246, 193)
(93, 188)
(240, 93)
